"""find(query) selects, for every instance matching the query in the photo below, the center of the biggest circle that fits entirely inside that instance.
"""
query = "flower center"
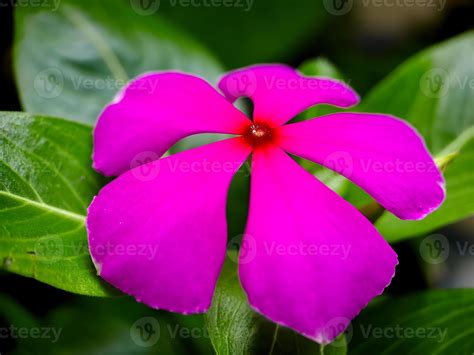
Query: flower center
(258, 134)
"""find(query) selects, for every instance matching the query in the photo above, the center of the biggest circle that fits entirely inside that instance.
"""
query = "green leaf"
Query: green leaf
(434, 91)
(459, 203)
(17, 316)
(431, 322)
(14, 313)
(234, 328)
(244, 32)
(108, 326)
(231, 324)
(71, 61)
(46, 185)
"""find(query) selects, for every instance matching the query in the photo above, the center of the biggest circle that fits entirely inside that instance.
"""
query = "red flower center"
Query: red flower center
(259, 134)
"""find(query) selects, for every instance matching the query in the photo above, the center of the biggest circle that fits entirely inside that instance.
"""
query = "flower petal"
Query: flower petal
(382, 154)
(153, 112)
(312, 261)
(279, 92)
(158, 232)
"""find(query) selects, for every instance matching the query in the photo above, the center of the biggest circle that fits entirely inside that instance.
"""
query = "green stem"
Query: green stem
(456, 145)
(275, 335)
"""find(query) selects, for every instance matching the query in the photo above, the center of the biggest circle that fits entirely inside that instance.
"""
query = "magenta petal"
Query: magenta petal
(158, 232)
(312, 261)
(279, 92)
(382, 154)
(152, 113)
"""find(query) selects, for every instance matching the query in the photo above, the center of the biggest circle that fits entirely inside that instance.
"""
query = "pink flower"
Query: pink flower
(313, 261)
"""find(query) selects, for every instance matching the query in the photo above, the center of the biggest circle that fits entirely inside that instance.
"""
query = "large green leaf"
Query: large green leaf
(71, 61)
(104, 326)
(14, 314)
(431, 322)
(434, 91)
(232, 325)
(46, 184)
(459, 203)
(234, 328)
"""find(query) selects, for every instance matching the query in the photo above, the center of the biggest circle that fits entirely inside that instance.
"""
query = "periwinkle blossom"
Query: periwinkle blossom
(183, 211)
